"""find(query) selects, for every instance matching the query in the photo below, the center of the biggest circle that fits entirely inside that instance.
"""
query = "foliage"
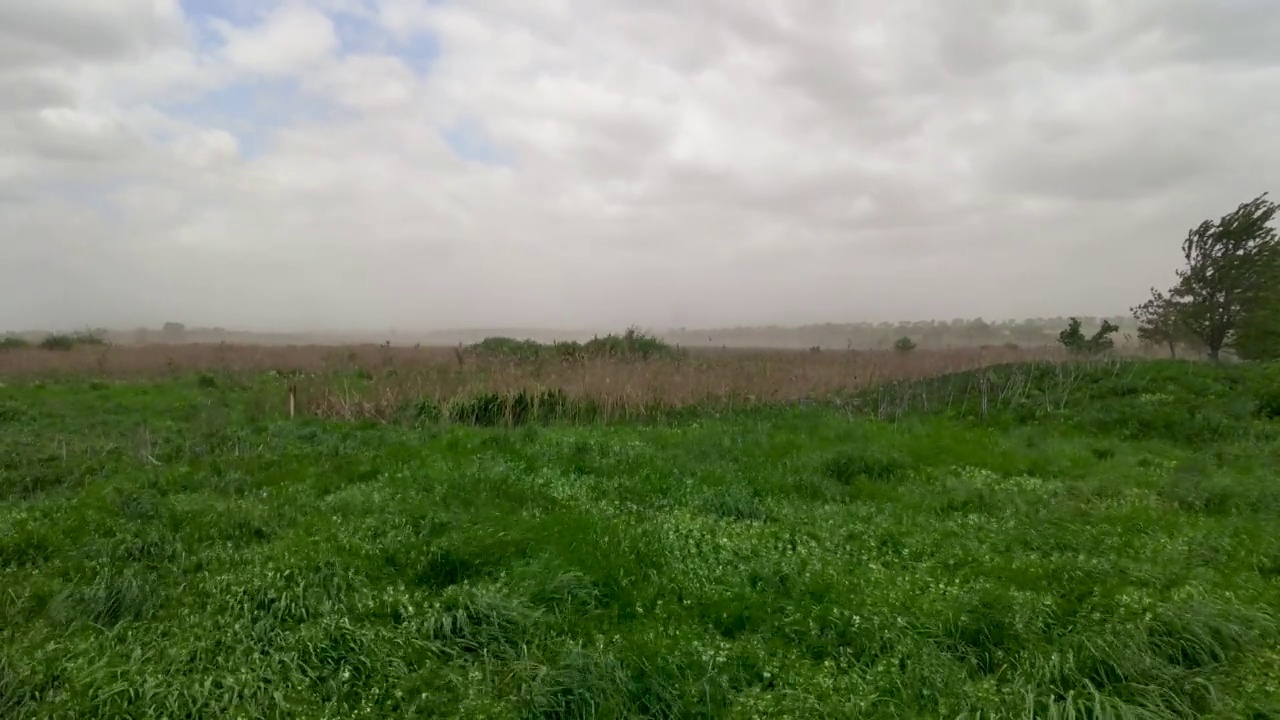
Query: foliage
(782, 562)
(1258, 334)
(904, 344)
(508, 347)
(512, 409)
(67, 341)
(1191, 404)
(1159, 322)
(14, 342)
(634, 343)
(1228, 284)
(1075, 341)
(57, 341)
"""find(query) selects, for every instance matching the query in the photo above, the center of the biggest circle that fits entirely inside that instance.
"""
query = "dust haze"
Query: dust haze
(380, 168)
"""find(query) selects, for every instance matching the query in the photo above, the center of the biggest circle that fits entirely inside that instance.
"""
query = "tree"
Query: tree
(904, 344)
(1258, 337)
(1224, 287)
(1074, 340)
(1159, 322)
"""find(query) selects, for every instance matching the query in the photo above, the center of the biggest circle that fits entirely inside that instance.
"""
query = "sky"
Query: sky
(428, 164)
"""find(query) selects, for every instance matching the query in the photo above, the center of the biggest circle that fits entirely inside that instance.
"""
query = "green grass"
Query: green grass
(170, 549)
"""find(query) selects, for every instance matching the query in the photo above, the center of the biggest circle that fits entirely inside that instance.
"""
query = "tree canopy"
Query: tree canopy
(1228, 293)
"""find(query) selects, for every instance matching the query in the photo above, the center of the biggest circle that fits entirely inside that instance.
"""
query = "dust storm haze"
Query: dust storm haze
(413, 164)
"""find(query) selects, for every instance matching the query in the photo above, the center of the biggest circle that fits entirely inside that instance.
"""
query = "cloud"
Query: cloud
(50, 30)
(292, 39)
(423, 163)
(374, 83)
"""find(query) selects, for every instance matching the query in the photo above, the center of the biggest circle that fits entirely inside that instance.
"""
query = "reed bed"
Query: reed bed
(382, 383)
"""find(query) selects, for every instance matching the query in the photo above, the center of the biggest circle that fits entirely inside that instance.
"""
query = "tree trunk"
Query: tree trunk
(1173, 350)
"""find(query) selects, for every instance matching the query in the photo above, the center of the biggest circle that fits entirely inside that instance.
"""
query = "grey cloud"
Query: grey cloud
(22, 92)
(63, 134)
(1231, 31)
(740, 160)
(90, 31)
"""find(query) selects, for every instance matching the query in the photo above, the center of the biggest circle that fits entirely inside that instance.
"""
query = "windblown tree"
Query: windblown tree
(1228, 285)
(1077, 343)
(1159, 322)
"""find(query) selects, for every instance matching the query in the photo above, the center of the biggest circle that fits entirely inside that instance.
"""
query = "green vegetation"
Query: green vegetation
(1228, 292)
(633, 343)
(67, 341)
(904, 344)
(1045, 541)
(1076, 342)
(14, 342)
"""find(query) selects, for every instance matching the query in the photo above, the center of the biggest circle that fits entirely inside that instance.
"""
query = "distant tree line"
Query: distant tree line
(959, 332)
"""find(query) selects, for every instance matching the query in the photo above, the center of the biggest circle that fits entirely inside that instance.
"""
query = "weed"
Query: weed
(546, 537)
(866, 465)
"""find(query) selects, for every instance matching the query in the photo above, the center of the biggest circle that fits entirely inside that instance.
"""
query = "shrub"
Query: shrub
(904, 344)
(57, 342)
(499, 346)
(13, 342)
(1074, 340)
(67, 341)
(634, 343)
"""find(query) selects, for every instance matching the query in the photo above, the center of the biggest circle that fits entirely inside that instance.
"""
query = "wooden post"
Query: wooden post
(293, 399)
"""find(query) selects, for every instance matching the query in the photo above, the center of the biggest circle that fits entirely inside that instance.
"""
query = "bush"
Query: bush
(57, 342)
(1074, 340)
(499, 346)
(634, 343)
(67, 341)
(13, 342)
(904, 344)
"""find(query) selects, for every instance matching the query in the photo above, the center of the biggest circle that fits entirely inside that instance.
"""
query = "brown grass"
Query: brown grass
(376, 382)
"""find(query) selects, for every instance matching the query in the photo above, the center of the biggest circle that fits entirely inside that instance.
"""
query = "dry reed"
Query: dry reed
(377, 382)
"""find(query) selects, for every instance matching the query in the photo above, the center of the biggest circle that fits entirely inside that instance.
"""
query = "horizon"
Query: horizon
(1126, 318)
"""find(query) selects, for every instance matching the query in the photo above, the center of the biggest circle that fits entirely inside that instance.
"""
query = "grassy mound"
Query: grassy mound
(1169, 400)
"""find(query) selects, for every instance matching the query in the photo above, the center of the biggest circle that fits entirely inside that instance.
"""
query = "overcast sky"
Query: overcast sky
(423, 164)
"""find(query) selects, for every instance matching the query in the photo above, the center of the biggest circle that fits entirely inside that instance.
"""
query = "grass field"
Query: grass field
(1031, 540)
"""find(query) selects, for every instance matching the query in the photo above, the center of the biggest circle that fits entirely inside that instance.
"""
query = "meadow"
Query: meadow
(991, 533)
